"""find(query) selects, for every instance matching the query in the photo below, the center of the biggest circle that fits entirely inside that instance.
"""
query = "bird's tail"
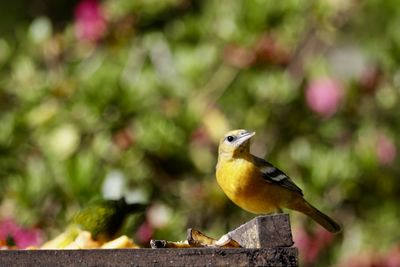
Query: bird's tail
(321, 218)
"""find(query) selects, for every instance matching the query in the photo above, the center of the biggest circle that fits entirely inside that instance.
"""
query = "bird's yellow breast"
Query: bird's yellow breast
(234, 177)
(243, 183)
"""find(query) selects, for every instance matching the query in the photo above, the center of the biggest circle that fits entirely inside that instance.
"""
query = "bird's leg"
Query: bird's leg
(276, 211)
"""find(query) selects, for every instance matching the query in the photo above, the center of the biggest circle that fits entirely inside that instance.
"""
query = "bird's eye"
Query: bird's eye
(230, 138)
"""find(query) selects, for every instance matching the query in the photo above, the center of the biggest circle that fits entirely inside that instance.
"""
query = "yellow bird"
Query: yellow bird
(256, 185)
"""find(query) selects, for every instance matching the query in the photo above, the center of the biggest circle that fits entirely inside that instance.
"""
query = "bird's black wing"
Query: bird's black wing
(273, 175)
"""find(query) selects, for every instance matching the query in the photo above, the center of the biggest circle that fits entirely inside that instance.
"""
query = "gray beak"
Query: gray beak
(244, 137)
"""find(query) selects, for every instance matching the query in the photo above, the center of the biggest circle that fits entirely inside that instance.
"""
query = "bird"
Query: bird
(256, 185)
(103, 218)
(96, 224)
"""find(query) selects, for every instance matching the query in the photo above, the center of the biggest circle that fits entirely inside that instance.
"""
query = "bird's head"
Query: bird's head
(235, 143)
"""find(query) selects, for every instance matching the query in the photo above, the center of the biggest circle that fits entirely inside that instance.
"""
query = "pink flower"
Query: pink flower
(373, 258)
(144, 233)
(200, 136)
(311, 245)
(392, 258)
(385, 150)
(90, 23)
(323, 96)
(12, 232)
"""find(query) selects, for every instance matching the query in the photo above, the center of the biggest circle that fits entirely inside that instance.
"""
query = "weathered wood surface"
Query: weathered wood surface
(266, 241)
(264, 232)
(151, 257)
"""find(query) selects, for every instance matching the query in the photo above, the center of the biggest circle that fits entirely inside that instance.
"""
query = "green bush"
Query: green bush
(149, 87)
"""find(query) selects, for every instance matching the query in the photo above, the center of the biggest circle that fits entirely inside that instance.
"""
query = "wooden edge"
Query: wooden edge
(284, 256)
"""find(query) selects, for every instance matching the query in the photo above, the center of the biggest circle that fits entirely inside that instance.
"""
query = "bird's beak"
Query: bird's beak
(245, 136)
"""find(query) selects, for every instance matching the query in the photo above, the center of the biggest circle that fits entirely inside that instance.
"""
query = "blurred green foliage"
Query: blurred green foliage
(150, 95)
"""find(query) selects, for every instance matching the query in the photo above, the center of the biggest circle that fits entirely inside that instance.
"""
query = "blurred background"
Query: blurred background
(129, 98)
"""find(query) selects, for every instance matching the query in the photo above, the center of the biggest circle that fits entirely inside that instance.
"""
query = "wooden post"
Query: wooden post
(266, 241)
(264, 232)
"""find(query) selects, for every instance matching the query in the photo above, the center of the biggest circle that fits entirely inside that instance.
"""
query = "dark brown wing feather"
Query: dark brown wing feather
(274, 175)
